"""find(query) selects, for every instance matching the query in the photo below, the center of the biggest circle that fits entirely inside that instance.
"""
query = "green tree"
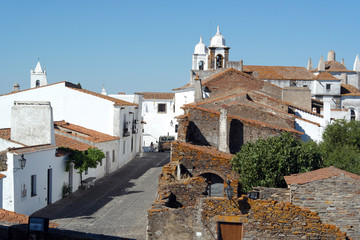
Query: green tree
(83, 160)
(341, 145)
(266, 161)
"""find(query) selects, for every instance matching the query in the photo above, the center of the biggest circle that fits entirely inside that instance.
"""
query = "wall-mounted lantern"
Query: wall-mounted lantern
(229, 191)
(171, 123)
(22, 162)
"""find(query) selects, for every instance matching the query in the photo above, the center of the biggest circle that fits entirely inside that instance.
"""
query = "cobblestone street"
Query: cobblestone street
(117, 205)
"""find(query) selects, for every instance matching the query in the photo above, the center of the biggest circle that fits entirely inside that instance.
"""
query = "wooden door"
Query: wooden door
(230, 231)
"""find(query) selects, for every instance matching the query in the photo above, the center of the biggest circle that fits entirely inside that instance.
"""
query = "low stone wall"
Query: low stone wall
(277, 194)
(260, 219)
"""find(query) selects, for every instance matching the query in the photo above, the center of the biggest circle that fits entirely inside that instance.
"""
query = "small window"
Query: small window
(113, 155)
(219, 61)
(352, 116)
(328, 87)
(176, 128)
(201, 65)
(161, 108)
(33, 185)
(304, 85)
(132, 144)
(37, 83)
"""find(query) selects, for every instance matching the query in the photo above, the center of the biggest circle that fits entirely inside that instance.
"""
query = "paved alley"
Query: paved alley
(117, 205)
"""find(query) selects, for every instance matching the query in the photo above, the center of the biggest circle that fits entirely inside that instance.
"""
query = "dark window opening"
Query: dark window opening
(161, 108)
(113, 155)
(215, 186)
(37, 83)
(33, 185)
(352, 115)
(328, 86)
(219, 61)
(201, 65)
(176, 127)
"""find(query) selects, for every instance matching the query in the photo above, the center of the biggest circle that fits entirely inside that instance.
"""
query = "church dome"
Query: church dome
(200, 48)
(218, 40)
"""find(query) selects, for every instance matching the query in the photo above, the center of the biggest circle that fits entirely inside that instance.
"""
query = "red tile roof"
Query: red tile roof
(10, 218)
(2, 176)
(319, 174)
(326, 76)
(20, 150)
(63, 141)
(84, 133)
(157, 95)
(280, 72)
(334, 66)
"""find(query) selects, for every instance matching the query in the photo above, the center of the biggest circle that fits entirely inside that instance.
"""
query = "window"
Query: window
(113, 156)
(219, 61)
(33, 185)
(352, 115)
(161, 108)
(328, 87)
(176, 128)
(37, 84)
(132, 144)
(292, 83)
(201, 65)
(304, 85)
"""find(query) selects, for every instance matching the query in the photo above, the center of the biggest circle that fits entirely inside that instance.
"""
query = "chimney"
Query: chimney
(223, 130)
(32, 123)
(198, 95)
(321, 66)
(255, 74)
(331, 56)
(241, 66)
(356, 64)
(16, 87)
(327, 109)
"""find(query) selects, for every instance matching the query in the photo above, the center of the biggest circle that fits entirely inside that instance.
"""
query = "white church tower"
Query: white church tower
(213, 57)
(37, 77)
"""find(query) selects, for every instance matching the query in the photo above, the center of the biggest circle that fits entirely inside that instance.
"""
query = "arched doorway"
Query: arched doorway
(215, 186)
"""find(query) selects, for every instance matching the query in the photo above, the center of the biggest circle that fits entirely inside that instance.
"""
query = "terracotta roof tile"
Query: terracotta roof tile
(157, 95)
(319, 174)
(326, 76)
(334, 66)
(280, 72)
(20, 150)
(10, 218)
(84, 133)
(249, 121)
(347, 88)
(2, 176)
(63, 141)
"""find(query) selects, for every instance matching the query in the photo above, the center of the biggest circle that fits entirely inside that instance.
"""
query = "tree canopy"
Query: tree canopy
(266, 161)
(341, 145)
(83, 160)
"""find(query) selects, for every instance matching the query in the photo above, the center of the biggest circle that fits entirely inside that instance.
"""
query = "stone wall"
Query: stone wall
(277, 194)
(335, 199)
(260, 219)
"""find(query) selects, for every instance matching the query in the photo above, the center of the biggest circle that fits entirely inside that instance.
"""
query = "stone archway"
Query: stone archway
(215, 183)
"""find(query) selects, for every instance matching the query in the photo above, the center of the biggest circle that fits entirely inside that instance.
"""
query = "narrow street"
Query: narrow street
(117, 205)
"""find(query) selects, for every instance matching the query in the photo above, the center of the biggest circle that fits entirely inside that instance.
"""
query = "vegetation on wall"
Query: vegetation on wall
(266, 161)
(341, 145)
(83, 160)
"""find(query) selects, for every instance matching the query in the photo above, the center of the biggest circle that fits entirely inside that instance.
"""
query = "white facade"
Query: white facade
(37, 77)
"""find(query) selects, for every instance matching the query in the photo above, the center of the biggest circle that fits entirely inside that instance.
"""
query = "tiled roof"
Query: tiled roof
(326, 76)
(20, 150)
(157, 95)
(230, 79)
(349, 89)
(2, 176)
(206, 149)
(116, 101)
(319, 174)
(63, 141)
(5, 133)
(334, 66)
(249, 121)
(10, 218)
(84, 133)
(280, 72)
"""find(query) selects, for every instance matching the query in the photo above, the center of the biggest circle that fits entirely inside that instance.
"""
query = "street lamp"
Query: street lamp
(229, 191)
(22, 161)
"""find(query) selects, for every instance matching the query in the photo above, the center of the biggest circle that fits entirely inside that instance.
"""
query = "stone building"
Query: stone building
(332, 193)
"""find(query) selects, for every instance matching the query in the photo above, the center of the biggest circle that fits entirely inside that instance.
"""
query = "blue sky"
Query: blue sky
(133, 46)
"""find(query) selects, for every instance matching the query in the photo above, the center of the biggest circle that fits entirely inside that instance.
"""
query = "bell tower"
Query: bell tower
(38, 77)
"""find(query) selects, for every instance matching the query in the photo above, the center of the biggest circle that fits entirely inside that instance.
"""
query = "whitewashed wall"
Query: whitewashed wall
(183, 97)
(311, 131)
